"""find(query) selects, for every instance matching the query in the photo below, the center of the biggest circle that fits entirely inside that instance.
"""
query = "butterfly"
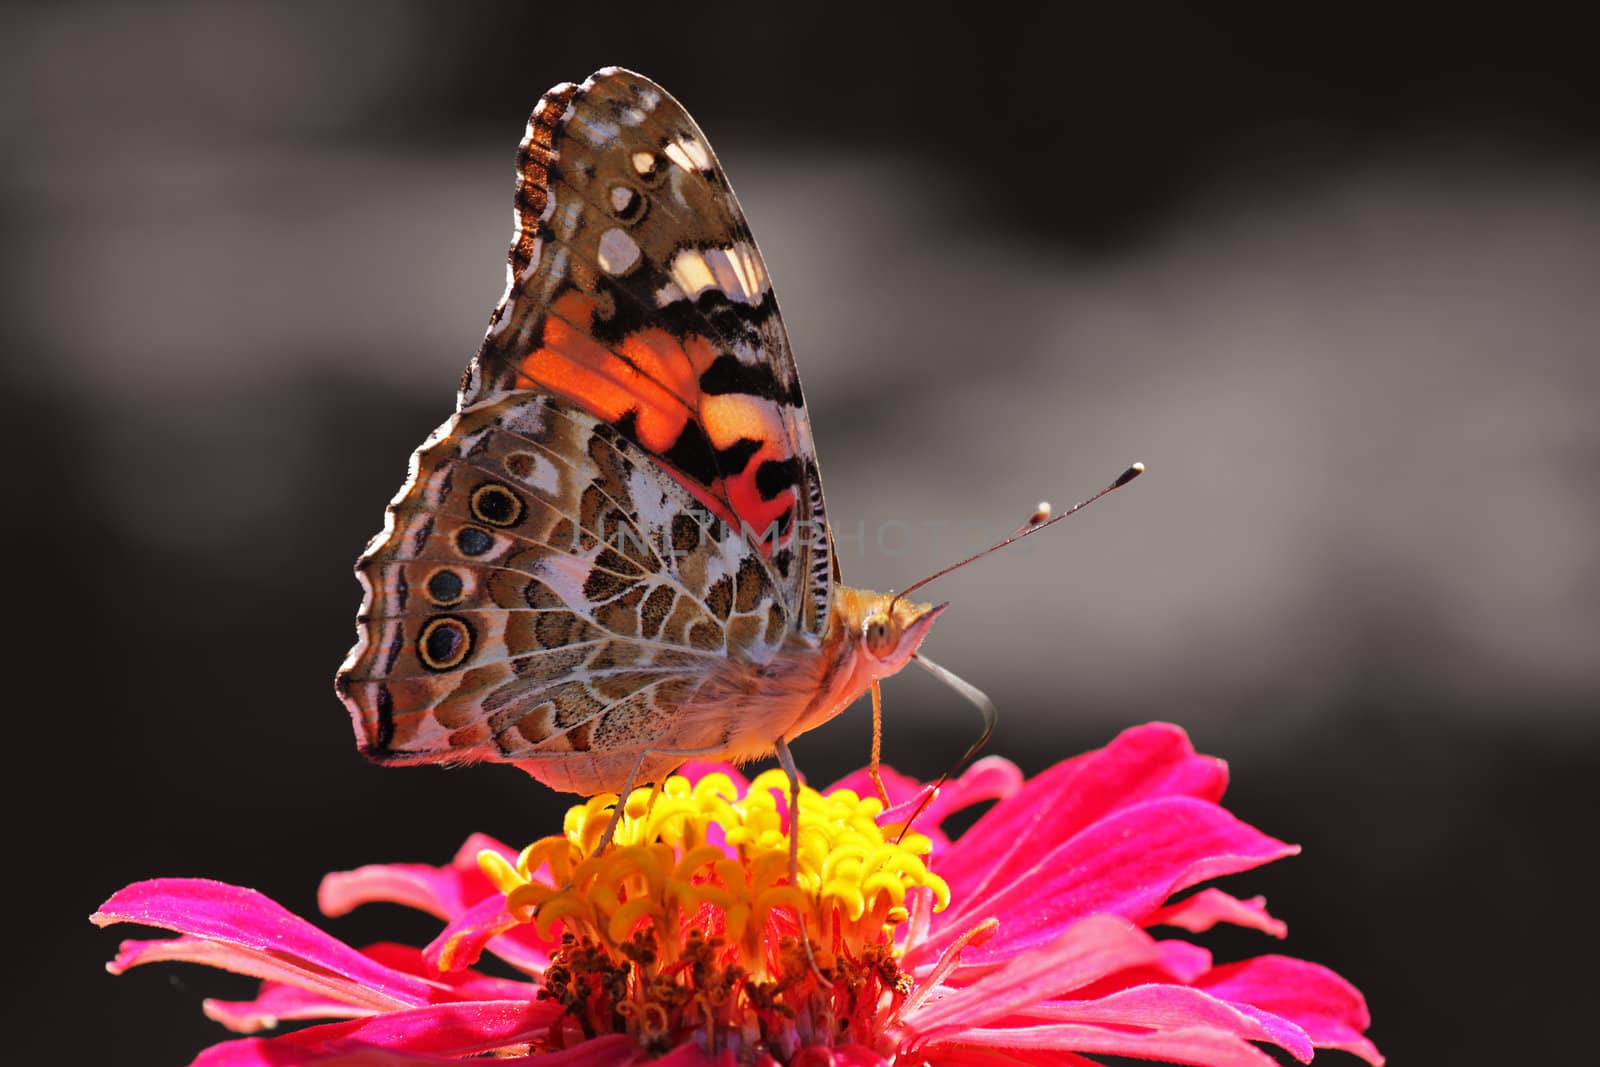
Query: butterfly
(614, 556)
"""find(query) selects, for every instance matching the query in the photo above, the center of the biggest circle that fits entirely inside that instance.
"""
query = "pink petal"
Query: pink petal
(226, 957)
(1182, 960)
(448, 892)
(613, 1050)
(240, 930)
(1176, 961)
(689, 1054)
(443, 892)
(1330, 1009)
(1155, 760)
(956, 1056)
(465, 985)
(442, 1029)
(1164, 1006)
(856, 1056)
(1200, 1046)
(899, 787)
(277, 1002)
(1085, 953)
(461, 943)
(991, 778)
(1126, 864)
(1208, 907)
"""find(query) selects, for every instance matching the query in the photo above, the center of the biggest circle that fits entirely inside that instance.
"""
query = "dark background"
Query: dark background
(1333, 277)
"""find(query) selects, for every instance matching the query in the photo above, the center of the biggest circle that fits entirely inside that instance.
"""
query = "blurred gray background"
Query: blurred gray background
(1333, 278)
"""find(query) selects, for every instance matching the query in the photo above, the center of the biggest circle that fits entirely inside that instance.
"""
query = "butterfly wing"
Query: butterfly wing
(626, 502)
(635, 291)
(545, 594)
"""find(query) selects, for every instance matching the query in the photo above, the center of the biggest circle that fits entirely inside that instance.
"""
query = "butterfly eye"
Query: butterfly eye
(879, 636)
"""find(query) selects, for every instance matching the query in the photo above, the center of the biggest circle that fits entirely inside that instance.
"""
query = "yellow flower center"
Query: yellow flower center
(687, 924)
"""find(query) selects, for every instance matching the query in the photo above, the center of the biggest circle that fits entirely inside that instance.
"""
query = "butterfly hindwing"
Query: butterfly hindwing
(545, 594)
(636, 292)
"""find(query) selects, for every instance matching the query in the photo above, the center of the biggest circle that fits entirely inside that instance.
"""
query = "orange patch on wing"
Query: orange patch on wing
(676, 364)
(657, 376)
(571, 363)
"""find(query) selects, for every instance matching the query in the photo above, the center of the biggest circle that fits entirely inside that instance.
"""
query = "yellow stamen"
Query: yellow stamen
(662, 869)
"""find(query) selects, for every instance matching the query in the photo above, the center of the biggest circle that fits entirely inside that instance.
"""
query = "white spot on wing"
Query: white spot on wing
(618, 252)
(644, 162)
(722, 269)
(654, 508)
(566, 576)
(433, 487)
(542, 473)
(689, 270)
(470, 441)
(736, 272)
(526, 419)
(557, 268)
(567, 224)
(688, 153)
(596, 131)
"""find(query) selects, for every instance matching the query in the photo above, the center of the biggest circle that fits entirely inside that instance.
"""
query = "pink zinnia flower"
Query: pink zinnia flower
(1026, 940)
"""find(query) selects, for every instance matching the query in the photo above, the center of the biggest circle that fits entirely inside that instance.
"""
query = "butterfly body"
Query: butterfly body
(615, 553)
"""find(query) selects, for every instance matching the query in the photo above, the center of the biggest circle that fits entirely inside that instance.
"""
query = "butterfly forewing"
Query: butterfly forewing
(636, 291)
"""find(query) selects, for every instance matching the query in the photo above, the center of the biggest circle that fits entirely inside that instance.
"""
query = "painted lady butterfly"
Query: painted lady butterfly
(614, 556)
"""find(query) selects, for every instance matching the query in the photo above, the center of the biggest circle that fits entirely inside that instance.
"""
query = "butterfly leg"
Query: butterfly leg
(786, 759)
(627, 791)
(681, 754)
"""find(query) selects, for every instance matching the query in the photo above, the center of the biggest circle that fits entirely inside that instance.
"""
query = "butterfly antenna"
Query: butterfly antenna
(1036, 522)
(991, 718)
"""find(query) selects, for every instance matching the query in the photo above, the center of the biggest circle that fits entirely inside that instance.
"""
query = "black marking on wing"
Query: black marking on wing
(711, 314)
(728, 374)
(385, 738)
(736, 457)
(692, 453)
(419, 540)
(776, 475)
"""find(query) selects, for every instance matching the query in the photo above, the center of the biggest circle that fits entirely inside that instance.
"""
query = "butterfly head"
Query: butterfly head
(886, 631)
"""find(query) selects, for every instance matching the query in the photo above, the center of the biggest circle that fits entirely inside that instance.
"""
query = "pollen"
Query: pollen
(689, 924)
